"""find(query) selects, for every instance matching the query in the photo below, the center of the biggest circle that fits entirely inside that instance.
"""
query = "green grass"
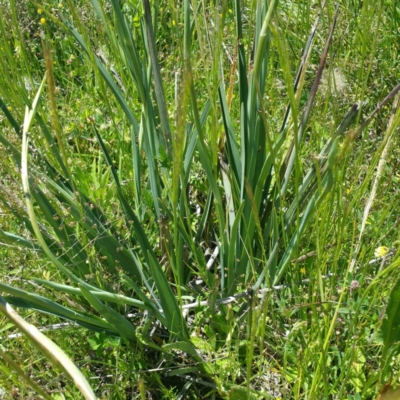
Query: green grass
(142, 141)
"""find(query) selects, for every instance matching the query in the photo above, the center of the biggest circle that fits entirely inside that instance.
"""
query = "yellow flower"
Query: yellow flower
(302, 270)
(381, 251)
(39, 10)
(42, 21)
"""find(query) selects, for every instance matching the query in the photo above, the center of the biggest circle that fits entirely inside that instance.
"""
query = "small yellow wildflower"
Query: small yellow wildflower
(381, 251)
(9, 108)
(347, 191)
(42, 21)
(302, 271)
(173, 22)
(39, 10)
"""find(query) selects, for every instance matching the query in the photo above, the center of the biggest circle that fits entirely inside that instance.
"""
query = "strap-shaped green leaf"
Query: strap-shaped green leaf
(22, 298)
(120, 323)
(175, 322)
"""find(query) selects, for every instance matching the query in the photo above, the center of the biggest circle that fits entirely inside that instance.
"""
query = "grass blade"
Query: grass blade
(50, 349)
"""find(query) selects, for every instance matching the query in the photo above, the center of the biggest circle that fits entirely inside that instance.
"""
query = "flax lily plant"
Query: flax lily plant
(258, 201)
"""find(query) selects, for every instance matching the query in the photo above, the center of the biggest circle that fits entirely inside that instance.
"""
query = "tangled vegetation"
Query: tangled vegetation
(199, 200)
